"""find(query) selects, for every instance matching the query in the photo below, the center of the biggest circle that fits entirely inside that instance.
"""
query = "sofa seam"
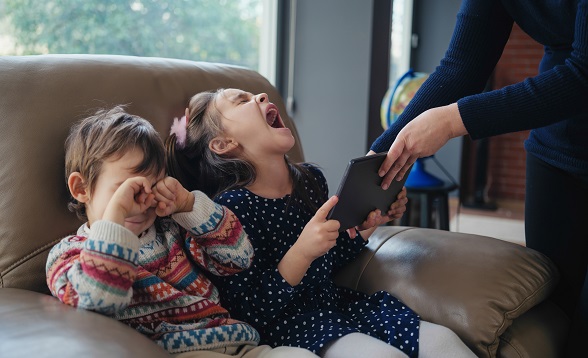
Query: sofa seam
(359, 277)
(25, 258)
(505, 315)
(514, 347)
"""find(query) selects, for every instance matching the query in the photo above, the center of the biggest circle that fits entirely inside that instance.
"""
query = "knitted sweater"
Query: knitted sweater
(554, 104)
(156, 283)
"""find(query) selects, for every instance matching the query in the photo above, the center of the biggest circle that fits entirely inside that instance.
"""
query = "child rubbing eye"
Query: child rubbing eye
(148, 245)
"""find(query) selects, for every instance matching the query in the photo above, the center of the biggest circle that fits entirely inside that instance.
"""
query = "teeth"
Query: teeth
(271, 116)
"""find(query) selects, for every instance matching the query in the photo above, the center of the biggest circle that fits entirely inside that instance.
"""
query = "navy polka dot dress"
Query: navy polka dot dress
(315, 311)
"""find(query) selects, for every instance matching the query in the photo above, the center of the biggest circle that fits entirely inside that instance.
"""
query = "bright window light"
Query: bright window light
(239, 32)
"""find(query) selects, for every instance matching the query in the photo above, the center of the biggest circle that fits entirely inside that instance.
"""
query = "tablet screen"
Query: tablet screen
(360, 191)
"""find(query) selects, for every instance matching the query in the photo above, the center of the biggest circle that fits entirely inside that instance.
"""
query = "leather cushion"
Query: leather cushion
(38, 325)
(473, 284)
(42, 96)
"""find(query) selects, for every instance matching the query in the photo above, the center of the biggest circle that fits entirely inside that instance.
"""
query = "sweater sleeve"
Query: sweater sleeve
(479, 37)
(552, 96)
(481, 32)
(216, 239)
(95, 272)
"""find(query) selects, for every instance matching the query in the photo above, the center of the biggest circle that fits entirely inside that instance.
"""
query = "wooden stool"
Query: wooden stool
(433, 202)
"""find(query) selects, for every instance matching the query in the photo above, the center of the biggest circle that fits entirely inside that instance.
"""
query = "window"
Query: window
(401, 39)
(240, 32)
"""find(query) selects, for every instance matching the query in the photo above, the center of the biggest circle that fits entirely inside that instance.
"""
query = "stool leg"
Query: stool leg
(426, 210)
(443, 212)
(405, 219)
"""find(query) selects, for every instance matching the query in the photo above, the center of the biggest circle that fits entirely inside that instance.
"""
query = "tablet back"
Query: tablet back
(360, 191)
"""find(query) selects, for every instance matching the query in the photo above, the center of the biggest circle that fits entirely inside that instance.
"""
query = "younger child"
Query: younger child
(233, 147)
(131, 260)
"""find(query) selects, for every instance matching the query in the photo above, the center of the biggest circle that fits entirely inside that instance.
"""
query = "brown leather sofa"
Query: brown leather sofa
(491, 293)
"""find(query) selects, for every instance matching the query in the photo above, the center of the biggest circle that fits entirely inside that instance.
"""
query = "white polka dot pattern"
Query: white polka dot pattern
(316, 311)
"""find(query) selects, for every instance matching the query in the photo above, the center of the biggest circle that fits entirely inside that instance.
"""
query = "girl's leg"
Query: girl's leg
(356, 345)
(439, 342)
(249, 351)
(282, 352)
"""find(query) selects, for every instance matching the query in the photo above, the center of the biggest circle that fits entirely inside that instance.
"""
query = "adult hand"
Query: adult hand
(421, 137)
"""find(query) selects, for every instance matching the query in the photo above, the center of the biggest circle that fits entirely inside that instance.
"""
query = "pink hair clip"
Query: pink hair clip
(179, 129)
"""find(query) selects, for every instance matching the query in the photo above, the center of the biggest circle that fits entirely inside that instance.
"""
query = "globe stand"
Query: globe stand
(420, 178)
(426, 190)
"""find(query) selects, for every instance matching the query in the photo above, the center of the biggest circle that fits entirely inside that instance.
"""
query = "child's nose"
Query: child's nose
(262, 97)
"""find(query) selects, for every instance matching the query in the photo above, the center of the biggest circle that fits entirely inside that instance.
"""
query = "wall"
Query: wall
(519, 60)
(332, 69)
(332, 73)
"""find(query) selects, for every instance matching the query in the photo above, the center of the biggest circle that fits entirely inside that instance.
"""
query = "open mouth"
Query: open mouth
(272, 117)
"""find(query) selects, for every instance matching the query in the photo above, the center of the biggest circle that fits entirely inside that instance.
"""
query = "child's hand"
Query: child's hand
(375, 218)
(172, 197)
(319, 234)
(398, 207)
(133, 197)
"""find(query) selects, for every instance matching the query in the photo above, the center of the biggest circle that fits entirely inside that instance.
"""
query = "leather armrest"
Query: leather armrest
(540, 332)
(37, 325)
(472, 284)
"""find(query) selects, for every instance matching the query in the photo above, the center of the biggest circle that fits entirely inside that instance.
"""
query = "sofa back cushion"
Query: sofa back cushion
(42, 96)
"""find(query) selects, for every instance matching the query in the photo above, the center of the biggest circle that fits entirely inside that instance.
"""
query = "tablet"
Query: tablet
(360, 191)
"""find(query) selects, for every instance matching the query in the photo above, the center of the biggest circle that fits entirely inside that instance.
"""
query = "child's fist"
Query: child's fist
(133, 197)
(172, 197)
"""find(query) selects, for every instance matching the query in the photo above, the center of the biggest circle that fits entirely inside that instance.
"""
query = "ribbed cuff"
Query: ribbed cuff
(203, 218)
(113, 239)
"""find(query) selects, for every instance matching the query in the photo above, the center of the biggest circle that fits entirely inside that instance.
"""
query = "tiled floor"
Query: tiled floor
(505, 223)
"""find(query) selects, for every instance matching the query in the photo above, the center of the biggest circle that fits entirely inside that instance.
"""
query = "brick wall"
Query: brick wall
(506, 167)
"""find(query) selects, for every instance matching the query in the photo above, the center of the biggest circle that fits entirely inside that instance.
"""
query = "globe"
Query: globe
(395, 101)
(397, 97)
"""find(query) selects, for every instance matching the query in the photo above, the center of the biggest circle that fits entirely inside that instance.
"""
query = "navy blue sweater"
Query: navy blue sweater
(554, 104)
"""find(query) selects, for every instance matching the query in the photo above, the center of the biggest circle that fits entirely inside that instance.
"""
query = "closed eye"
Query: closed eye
(242, 98)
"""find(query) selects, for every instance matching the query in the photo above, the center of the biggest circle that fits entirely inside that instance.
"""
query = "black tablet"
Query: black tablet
(360, 191)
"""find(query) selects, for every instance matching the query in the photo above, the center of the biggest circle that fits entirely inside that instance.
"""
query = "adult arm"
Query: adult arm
(481, 31)
(549, 97)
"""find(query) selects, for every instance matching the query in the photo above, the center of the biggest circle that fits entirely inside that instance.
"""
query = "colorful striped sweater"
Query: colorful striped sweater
(156, 283)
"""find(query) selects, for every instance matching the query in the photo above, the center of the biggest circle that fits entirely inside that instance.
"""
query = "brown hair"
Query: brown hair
(198, 168)
(110, 133)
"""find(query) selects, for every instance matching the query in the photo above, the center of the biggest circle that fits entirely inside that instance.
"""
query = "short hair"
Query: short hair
(110, 134)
